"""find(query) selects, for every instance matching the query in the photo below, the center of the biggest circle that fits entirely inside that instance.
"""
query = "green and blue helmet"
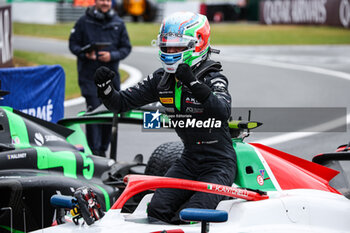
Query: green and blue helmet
(183, 29)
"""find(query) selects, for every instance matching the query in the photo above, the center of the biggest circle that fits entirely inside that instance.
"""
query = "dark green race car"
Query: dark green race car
(39, 159)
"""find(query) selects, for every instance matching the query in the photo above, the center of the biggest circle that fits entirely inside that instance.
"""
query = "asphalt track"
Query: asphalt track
(261, 77)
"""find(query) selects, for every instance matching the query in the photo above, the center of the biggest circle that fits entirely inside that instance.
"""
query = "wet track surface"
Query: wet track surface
(259, 76)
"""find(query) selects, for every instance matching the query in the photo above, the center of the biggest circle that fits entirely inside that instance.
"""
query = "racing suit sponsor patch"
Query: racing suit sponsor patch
(170, 110)
(194, 110)
(191, 100)
(166, 100)
(165, 92)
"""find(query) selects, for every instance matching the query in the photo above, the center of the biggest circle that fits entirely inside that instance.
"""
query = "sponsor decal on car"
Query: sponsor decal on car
(39, 139)
(260, 180)
(49, 138)
(17, 156)
(16, 140)
(262, 173)
(226, 189)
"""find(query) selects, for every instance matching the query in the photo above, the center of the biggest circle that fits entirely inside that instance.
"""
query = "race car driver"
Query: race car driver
(190, 87)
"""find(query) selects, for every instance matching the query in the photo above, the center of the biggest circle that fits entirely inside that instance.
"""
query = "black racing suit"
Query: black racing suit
(208, 153)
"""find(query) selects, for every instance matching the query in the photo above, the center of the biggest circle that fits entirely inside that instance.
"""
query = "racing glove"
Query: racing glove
(200, 91)
(103, 80)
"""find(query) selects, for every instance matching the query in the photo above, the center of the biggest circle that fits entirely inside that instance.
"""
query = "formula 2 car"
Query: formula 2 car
(39, 159)
(273, 192)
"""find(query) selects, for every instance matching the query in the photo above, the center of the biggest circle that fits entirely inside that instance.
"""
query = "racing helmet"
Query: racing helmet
(183, 29)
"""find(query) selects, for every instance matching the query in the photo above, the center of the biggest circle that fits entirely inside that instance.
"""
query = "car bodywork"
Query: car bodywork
(273, 192)
(39, 159)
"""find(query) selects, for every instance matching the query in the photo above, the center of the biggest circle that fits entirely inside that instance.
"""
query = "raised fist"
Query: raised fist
(103, 80)
(185, 75)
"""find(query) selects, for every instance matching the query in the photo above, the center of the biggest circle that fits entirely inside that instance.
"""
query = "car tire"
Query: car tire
(163, 157)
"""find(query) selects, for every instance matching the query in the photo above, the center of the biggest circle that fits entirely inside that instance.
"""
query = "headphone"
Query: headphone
(101, 16)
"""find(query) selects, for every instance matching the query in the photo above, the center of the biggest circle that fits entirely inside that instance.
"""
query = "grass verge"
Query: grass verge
(22, 58)
(222, 34)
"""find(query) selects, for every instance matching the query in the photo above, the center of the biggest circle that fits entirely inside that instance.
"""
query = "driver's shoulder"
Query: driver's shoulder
(214, 77)
(157, 74)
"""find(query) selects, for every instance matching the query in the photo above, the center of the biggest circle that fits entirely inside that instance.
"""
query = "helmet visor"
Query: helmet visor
(175, 40)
